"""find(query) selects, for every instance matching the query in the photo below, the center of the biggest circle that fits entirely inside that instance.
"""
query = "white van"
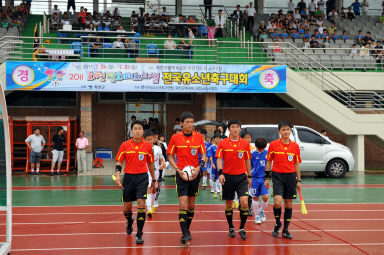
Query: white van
(318, 153)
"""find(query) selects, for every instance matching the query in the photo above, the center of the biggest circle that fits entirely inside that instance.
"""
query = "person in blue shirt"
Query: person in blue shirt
(284, 35)
(103, 27)
(324, 34)
(356, 7)
(359, 37)
(275, 35)
(203, 170)
(344, 36)
(317, 34)
(301, 29)
(335, 36)
(211, 152)
(258, 163)
(307, 34)
(295, 35)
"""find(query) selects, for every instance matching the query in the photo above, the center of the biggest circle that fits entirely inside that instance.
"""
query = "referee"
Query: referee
(235, 152)
(138, 156)
(285, 156)
(186, 146)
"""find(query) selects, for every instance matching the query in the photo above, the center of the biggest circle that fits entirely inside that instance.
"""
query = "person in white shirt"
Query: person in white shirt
(170, 44)
(354, 51)
(35, 143)
(164, 12)
(364, 6)
(333, 14)
(251, 11)
(291, 7)
(81, 146)
(220, 21)
(297, 14)
(121, 29)
(321, 28)
(312, 7)
(118, 43)
(177, 127)
(320, 5)
(56, 10)
(129, 131)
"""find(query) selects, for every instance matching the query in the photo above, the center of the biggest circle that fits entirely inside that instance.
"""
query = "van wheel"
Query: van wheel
(336, 168)
(321, 174)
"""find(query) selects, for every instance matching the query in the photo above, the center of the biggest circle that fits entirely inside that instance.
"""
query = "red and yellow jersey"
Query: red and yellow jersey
(234, 154)
(137, 156)
(284, 156)
(187, 149)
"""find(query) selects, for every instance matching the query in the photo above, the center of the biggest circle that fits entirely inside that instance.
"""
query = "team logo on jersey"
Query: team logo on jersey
(141, 157)
(240, 154)
(193, 151)
(290, 158)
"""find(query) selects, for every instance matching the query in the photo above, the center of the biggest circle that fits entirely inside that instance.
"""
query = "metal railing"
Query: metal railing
(310, 65)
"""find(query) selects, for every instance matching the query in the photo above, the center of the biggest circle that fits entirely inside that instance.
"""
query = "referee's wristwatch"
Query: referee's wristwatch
(298, 180)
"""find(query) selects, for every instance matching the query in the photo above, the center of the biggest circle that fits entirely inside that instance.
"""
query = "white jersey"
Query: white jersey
(158, 154)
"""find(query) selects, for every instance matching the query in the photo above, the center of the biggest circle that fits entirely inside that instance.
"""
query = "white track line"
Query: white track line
(202, 246)
(171, 221)
(200, 232)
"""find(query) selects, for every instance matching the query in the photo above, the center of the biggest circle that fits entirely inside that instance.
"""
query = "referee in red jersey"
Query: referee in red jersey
(138, 157)
(286, 178)
(235, 176)
(186, 146)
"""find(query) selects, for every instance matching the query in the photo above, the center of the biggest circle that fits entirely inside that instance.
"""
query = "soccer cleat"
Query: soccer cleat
(263, 218)
(184, 240)
(257, 219)
(286, 234)
(156, 204)
(250, 213)
(153, 209)
(275, 231)
(59, 173)
(189, 235)
(232, 232)
(139, 238)
(242, 234)
(215, 195)
(51, 174)
(129, 226)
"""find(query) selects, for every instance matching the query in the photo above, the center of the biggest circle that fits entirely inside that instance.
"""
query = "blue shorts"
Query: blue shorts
(214, 174)
(257, 188)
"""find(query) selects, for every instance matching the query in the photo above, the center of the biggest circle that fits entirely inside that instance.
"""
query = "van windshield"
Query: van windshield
(269, 133)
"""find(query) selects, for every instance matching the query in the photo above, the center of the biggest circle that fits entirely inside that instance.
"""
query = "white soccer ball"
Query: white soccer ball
(188, 172)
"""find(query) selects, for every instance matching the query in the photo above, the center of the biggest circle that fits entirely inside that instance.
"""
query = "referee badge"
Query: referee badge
(193, 151)
(240, 154)
(141, 157)
(290, 158)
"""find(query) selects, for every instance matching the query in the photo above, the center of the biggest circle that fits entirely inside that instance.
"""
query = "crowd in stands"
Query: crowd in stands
(15, 17)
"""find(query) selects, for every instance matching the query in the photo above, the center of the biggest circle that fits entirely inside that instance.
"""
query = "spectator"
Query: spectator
(332, 28)
(185, 46)
(56, 10)
(71, 3)
(116, 12)
(364, 50)
(314, 43)
(304, 13)
(58, 150)
(211, 35)
(350, 14)
(169, 44)
(307, 35)
(327, 42)
(164, 12)
(284, 35)
(319, 13)
(5, 24)
(132, 47)
(364, 7)
(145, 124)
(251, 11)
(95, 46)
(367, 38)
(181, 28)
(291, 7)
(320, 21)
(275, 35)
(353, 52)
(330, 5)
(35, 143)
(276, 48)
(382, 18)
(55, 21)
(335, 36)
(333, 15)
(312, 7)
(219, 21)
(103, 27)
(118, 43)
(177, 127)
(65, 20)
(295, 35)
(356, 7)
(317, 34)
(301, 5)
(297, 15)
(238, 16)
(208, 8)
(382, 5)
(301, 29)
(320, 5)
(306, 44)
(344, 36)
(379, 52)
(359, 38)
(190, 33)
(191, 21)
(321, 28)
(82, 17)
(121, 29)
(81, 156)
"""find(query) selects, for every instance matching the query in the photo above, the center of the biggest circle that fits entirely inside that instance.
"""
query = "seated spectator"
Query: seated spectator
(185, 46)
(263, 36)
(165, 26)
(379, 52)
(134, 23)
(335, 36)
(55, 21)
(314, 43)
(116, 12)
(275, 35)
(320, 22)
(284, 35)
(344, 36)
(132, 47)
(319, 13)
(317, 34)
(306, 43)
(121, 29)
(118, 43)
(312, 21)
(350, 14)
(56, 10)
(333, 15)
(304, 13)
(343, 13)
(353, 52)
(307, 34)
(332, 28)
(164, 12)
(367, 38)
(295, 35)
(297, 15)
(364, 51)
(359, 37)
(262, 29)
(65, 20)
(322, 28)
(276, 48)
(301, 29)
(5, 24)
(327, 42)
(271, 26)
(181, 29)
(96, 45)
(169, 44)
(103, 27)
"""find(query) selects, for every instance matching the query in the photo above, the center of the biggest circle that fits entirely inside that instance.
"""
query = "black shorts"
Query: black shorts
(235, 183)
(284, 184)
(189, 189)
(71, 4)
(135, 187)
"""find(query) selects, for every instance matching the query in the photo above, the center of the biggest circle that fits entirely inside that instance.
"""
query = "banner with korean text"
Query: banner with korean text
(141, 77)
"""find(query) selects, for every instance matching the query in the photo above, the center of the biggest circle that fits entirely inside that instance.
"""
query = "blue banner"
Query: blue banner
(141, 77)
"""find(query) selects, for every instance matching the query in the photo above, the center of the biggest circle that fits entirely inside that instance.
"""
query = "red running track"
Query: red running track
(327, 229)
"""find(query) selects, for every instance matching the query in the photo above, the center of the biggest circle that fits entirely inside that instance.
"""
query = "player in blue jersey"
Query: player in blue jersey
(258, 163)
(211, 152)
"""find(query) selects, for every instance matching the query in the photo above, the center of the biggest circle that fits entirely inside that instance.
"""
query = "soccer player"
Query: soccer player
(211, 152)
(285, 156)
(258, 162)
(248, 136)
(236, 154)
(158, 163)
(138, 156)
(186, 146)
(204, 171)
